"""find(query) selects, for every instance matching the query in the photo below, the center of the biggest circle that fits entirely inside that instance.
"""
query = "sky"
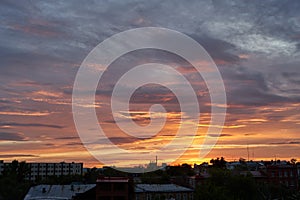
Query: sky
(255, 45)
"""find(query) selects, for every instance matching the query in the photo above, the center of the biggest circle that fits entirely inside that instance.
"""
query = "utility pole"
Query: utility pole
(248, 151)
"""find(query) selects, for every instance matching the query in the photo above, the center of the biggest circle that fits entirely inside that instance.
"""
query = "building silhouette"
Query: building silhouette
(40, 171)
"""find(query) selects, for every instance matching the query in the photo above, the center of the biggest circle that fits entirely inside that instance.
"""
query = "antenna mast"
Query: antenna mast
(248, 151)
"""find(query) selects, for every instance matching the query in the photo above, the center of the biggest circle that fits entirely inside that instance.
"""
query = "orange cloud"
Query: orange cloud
(25, 113)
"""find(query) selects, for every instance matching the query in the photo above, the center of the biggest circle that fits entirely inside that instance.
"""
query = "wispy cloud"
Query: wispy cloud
(14, 124)
(18, 156)
(255, 46)
(24, 113)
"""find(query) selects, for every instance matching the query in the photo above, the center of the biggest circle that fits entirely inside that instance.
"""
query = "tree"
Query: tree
(293, 161)
(12, 183)
(218, 163)
(224, 185)
(91, 175)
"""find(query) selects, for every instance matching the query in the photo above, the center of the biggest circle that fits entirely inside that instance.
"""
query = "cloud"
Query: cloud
(24, 113)
(122, 140)
(66, 138)
(73, 144)
(255, 46)
(286, 142)
(12, 136)
(220, 50)
(19, 156)
(221, 135)
(10, 124)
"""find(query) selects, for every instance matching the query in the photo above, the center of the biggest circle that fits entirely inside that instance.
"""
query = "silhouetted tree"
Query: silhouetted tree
(224, 185)
(91, 175)
(218, 163)
(293, 161)
(13, 185)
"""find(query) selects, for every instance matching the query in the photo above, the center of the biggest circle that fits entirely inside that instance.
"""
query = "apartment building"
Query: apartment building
(43, 170)
(283, 174)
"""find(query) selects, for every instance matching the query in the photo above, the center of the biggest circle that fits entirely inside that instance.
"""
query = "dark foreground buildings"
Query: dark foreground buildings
(114, 188)
(41, 171)
(282, 175)
(111, 188)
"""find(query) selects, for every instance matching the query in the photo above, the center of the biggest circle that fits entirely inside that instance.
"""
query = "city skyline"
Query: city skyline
(254, 45)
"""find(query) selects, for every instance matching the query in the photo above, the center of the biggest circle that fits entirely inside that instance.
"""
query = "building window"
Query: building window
(119, 186)
(104, 198)
(292, 183)
(273, 174)
(105, 187)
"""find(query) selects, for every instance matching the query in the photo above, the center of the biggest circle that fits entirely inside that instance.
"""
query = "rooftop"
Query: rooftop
(113, 179)
(51, 192)
(139, 188)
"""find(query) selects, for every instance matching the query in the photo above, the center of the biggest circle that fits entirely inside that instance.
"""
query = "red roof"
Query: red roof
(113, 179)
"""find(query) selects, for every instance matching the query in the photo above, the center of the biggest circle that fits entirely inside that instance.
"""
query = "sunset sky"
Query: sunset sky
(256, 47)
